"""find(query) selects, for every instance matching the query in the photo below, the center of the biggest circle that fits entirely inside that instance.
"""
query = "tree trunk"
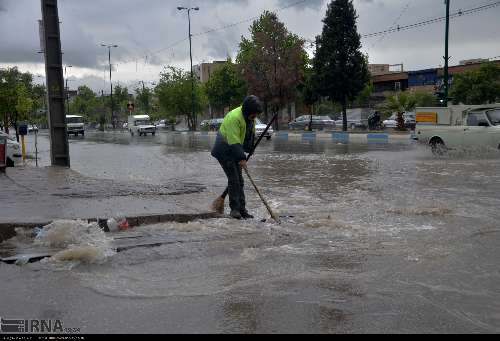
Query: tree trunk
(277, 122)
(401, 122)
(266, 112)
(15, 127)
(344, 115)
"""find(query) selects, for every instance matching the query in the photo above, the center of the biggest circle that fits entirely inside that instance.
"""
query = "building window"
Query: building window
(397, 86)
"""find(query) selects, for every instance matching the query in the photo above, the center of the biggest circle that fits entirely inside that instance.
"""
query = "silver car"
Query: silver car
(318, 123)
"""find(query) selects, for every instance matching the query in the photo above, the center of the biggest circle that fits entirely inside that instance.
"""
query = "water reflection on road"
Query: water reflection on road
(377, 239)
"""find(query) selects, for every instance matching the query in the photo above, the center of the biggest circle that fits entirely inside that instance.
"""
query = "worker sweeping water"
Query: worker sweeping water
(235, 138)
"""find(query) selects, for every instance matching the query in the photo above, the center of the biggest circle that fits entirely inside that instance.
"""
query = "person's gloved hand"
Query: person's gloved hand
(243, 164)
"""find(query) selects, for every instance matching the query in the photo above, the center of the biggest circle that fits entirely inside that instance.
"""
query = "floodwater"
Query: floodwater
(374, 239)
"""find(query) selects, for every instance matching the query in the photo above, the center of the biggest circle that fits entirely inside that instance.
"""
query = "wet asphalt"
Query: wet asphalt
(377, 239)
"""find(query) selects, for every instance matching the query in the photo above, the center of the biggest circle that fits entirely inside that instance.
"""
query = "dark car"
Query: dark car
(318, 123)
(211, 125)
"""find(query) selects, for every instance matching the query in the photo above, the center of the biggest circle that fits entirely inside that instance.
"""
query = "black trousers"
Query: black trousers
(236, 185)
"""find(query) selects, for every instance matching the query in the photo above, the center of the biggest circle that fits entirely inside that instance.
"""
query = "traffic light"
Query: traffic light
(440, 95)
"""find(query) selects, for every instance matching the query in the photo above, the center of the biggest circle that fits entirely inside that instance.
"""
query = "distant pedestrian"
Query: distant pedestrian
(235, 138)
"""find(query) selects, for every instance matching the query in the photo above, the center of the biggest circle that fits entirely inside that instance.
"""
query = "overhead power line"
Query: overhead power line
(458, 14)
(399, 28)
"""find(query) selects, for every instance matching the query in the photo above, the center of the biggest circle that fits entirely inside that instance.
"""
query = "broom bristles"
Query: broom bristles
(218, 205)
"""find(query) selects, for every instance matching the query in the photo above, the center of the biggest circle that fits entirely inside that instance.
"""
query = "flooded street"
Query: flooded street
(374, 239)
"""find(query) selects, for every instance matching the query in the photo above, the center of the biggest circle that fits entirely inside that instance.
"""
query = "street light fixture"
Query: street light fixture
(113, 117)
(189, 9)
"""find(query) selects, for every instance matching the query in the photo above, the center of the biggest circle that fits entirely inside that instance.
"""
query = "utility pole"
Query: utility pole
(113, 117)
(193, 113)
(59, 150)
(143, 94)
(446, 55)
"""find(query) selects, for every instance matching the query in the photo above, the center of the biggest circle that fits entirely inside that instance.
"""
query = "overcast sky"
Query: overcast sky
(141, 28)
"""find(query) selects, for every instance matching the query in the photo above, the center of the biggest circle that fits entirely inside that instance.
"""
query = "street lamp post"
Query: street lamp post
(446, 56)
(189, 9)
(67, 89)
(113, 117)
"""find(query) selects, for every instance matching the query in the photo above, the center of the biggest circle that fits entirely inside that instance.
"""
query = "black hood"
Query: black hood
(252, 105)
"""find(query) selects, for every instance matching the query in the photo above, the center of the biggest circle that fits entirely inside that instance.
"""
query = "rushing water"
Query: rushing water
(374, 239)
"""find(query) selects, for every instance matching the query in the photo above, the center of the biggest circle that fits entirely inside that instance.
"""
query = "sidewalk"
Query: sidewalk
(36, 196)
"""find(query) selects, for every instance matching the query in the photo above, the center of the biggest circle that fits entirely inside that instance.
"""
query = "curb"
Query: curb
(7, 230)
(335, 137)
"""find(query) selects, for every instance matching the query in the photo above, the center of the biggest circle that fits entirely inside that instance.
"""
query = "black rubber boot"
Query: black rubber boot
(246, 215)
(236, 215)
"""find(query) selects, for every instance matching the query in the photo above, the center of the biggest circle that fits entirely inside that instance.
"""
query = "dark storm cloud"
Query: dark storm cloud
(298, 5)
(144, 30)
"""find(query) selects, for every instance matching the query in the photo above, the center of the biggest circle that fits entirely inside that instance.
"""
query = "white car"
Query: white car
(260, 127)
(391, 122)
(14, 153)
(141, 125)
(459, 127)
(162, 124)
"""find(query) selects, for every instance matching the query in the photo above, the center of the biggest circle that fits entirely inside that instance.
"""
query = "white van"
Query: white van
(75, 125)
(141, 125)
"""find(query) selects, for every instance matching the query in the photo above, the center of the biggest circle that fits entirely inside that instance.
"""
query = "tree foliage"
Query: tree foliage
(226, 87)
(272, 61)
(20, 99)
(341, 70)
(400, 103)
(174, 95)
(478, 86)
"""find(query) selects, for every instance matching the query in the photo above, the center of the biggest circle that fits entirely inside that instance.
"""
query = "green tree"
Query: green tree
(341, 69)
(424, 99)
(174, 95)
(226, 87)
(272, 61)
(86, 104)
(144, 100)
(478, 86)
(16, 90)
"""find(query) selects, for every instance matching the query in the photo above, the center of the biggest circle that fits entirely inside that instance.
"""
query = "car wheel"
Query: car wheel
(438, 147)
(268, 138)
(10, 163)
(154, 134)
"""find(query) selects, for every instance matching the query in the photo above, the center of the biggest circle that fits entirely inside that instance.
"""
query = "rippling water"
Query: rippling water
(375, 239)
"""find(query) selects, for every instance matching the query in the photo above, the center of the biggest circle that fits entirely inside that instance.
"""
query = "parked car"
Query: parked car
(141, 125)
(125, 125)
(351, 124)
(391, 122)
(215, 124)
(211, 125)
(318, 123)
(13, 150)
(410, 121)
(32, 128)
(205, 125)
(163, 124)
(357, 118)
(260, 127)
